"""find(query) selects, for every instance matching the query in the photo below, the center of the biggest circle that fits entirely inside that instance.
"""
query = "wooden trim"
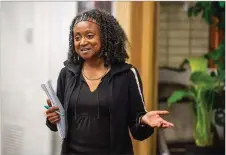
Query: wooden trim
(148, 69)
(136, 34)
(215, 37)
(136, 43)
(123, 16)
(155, 69)
(138, 19)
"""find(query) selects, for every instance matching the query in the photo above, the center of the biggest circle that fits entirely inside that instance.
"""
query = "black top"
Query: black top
(89, 130)
(125, 99)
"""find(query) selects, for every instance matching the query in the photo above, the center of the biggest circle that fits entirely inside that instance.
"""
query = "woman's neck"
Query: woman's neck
(94, 64)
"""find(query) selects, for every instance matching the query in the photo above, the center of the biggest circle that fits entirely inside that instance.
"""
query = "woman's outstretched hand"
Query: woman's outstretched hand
(153, 119)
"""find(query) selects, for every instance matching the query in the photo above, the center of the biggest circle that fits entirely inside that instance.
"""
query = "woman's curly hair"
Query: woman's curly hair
(113, 37)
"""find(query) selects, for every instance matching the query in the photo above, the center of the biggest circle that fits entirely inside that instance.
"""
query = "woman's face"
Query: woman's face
(87, 39)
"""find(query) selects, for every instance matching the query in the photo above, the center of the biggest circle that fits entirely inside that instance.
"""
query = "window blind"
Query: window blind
(180, 36)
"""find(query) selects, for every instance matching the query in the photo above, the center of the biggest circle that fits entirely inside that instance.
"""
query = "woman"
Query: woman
(101, 94)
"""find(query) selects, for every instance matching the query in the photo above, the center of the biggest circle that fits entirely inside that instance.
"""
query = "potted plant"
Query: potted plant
(213, 13)
(205, 87)
(202, 91)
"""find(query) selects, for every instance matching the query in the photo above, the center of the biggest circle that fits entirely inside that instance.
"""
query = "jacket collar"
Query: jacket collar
(74, 68)
(119, 68)
(115, 69)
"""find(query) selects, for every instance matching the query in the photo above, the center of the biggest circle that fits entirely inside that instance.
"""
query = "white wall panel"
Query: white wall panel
(34, 44)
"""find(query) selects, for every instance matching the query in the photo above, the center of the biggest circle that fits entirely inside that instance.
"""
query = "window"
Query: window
(180, 36)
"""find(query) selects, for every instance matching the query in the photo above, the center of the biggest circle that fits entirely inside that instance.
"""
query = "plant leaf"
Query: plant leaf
(208, 97)
(222, 74)
(202, 79)
(196, 11)
(220, 65)
(196, 64)
(221, 49)
(222, 4)
(217, 54)
(212, 55)
(207, 16)
(221, 25)
(178, 95)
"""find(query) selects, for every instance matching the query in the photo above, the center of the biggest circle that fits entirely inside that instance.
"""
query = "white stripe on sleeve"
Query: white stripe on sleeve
(138, 85)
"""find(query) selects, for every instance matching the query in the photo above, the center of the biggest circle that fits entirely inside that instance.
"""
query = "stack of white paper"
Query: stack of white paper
(55, 102)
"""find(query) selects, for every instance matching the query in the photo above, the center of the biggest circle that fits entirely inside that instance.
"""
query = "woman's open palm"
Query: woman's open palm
(153, 119)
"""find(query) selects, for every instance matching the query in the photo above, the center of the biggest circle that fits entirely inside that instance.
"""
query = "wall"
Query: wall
(34, 44)
(0, 80)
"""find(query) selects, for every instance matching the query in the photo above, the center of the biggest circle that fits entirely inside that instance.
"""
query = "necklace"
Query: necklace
(95, 78)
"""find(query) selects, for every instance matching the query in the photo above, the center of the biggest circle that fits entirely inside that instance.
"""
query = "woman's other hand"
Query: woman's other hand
(153, 119)
(52, 116)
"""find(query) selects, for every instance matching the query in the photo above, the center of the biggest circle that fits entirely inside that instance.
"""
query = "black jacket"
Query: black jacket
(126, 105)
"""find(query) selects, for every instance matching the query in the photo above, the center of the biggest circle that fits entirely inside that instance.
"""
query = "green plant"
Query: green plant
(214, 13)
(209, 11)
(202, 91)
(206, 88)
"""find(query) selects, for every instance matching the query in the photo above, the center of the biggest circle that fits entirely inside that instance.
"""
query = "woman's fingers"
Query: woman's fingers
(162, 123)
(167, 123)
(49, 102)
(53, 118)
(159, 125)
(154, 119)
(55, 121)
(52, 115)
(156, 122)
(162, 112)
(159, 112)
(51, 110)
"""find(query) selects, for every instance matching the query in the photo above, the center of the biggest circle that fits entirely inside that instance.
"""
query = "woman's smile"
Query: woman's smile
(85, 50)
